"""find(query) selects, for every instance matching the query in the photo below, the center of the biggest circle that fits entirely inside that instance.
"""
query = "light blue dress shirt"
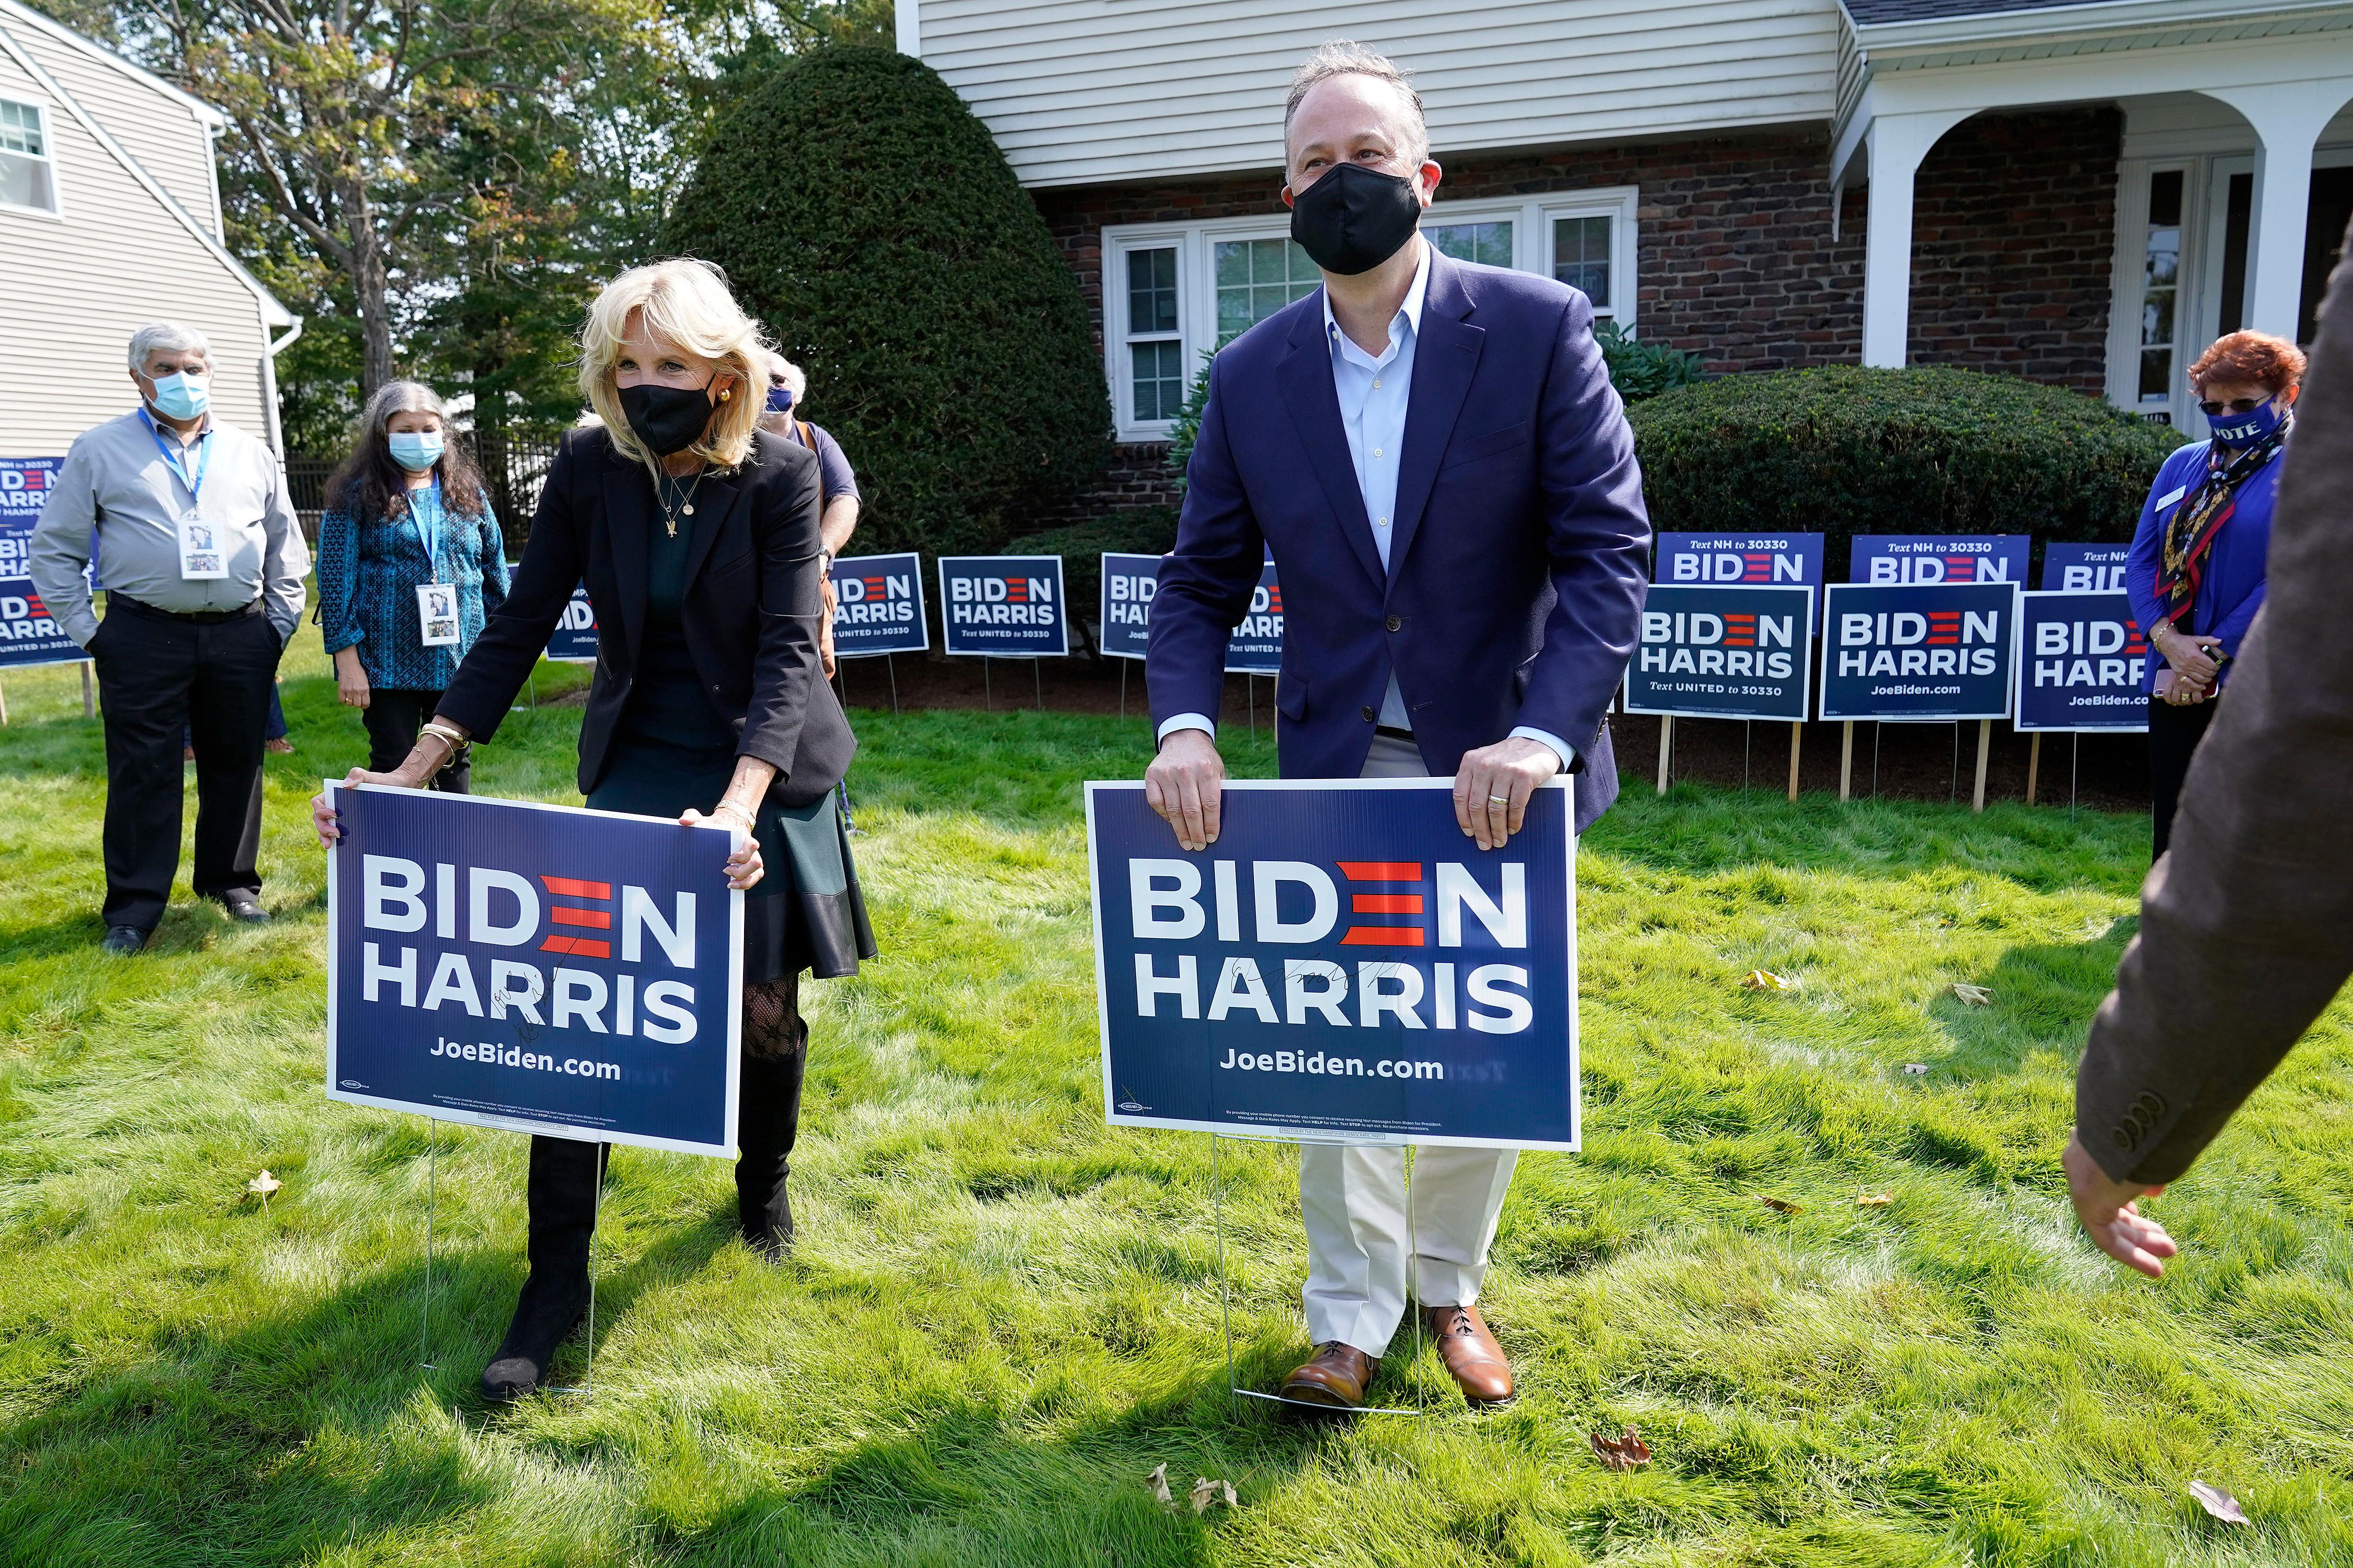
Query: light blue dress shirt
(1374, 390)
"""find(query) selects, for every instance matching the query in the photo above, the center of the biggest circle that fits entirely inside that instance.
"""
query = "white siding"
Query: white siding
(74, 285)
(1086, 92)
(157, 127)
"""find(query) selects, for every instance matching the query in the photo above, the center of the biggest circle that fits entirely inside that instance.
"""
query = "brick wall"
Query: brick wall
(2013, 231)
(2013, 243)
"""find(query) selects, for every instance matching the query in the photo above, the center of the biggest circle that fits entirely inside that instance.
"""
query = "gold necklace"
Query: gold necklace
(685, 506)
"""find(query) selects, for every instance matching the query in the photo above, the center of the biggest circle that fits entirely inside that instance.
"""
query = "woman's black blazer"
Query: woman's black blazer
(754, 598)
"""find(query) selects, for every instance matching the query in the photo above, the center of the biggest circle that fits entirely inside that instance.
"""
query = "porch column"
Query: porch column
(1897, 143)
(2289, 118)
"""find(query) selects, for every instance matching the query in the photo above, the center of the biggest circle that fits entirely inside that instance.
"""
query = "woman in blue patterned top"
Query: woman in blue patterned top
(410, 565)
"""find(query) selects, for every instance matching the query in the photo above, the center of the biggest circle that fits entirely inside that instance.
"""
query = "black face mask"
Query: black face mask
(667, 418)
(1354, 218)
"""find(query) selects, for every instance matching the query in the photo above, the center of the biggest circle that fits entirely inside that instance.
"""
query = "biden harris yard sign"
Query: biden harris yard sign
(1755, 560)
(573, 640)
(1129, 583)
(1933, 651)
(1003, 607)
(2084, 568)
(538, 968)
(1889, 558)
(1722, 653)
(1341, 966)
(29, 633)
(881, 605)
(2080, 659)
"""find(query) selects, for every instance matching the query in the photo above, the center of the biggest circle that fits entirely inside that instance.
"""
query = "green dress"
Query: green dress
(674, 751)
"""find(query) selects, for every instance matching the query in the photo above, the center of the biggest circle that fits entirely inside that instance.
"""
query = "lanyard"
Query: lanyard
(173, 459)
(432, 546)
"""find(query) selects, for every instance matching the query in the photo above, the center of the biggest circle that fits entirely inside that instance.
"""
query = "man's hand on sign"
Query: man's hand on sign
(1493, 785)
(2104, 1205)
(1185, 785)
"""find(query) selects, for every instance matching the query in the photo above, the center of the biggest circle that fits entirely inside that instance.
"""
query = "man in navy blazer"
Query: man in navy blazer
(1433, 454)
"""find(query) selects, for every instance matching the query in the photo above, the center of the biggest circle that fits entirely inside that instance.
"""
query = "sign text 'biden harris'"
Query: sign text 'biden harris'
(1342, 964)
(540, 968)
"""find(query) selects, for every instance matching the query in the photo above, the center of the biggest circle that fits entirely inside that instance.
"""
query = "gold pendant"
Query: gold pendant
(688, 509)
(670, 528)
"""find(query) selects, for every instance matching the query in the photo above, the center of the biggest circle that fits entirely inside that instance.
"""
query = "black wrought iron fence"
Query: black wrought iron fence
(513, 465)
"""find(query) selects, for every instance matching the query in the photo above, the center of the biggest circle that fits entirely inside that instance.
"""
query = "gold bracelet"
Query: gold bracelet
(445, 732)
(749, 819)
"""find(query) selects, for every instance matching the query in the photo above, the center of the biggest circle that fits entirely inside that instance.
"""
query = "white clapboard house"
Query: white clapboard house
(2081, 193)
(110, 216)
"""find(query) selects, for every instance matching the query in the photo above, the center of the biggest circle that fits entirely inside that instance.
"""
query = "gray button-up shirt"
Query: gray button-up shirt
(115, 477)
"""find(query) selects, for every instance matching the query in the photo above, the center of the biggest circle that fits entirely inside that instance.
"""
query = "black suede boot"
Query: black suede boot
(767, 1121)
(561, 1197)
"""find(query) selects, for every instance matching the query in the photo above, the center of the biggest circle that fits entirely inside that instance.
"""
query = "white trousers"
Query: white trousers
(1353, 1199)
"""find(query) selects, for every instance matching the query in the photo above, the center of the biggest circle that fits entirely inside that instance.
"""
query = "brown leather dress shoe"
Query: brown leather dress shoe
(1337, 1376)
(1470, 1353)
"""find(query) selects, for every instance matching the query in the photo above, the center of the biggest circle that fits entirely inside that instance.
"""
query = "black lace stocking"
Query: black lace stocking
(772, 1029)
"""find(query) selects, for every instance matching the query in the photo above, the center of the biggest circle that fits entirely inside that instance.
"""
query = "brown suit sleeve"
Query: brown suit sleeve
(2246, 925)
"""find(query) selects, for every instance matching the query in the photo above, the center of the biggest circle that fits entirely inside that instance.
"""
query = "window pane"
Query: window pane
(1159, 379)
(20, 128)
(2155, 375)
(24, 183)
(2160, 281)
(1256, 278)
(2165, 199)
(1488, 244)
(1580, 257)
(1152, 290)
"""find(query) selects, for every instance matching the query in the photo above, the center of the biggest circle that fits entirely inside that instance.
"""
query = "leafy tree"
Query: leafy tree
(863, 211)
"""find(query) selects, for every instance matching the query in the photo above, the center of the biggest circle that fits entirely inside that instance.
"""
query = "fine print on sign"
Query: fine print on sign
(537, 968)
(1753, 560)
(1929, 651)
(573, 640)
(1890, 558)
(1129, 583)
(2080, 659)
(1722, 653)
(1003, 607)
(2084, 568)
(881, 605)
(1342, 966)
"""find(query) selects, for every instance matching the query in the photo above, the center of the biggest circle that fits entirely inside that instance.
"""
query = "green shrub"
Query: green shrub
(865, 214)
(1846, 450)
(1641, 369)
(1144, 531)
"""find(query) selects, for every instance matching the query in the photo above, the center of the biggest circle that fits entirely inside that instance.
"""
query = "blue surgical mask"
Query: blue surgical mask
(2251, 428)
(780, 400)
(181, 396)
(414, 451)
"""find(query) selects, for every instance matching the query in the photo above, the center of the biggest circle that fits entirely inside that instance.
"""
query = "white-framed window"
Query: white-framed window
(28, 177)
(1175, 293)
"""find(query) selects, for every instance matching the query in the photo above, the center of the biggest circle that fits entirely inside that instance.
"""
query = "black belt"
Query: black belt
(1393, 733)
(120, 601)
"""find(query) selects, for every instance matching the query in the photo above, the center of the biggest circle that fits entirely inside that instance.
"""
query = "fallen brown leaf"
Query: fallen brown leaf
(1206, 1492)
(1765, 980)
(1626, 1453)
(1158, 1481)
(1974, 996)
(1873, 1200)
(1779, 1205)
(2220, 1503)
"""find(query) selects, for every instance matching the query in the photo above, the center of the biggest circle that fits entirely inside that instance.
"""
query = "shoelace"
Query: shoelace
(1459, 1324)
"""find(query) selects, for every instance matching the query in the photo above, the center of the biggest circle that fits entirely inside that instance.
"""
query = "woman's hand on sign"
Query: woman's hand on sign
(350, 678)
(1493, 785)
(323, 810)
(744, 868)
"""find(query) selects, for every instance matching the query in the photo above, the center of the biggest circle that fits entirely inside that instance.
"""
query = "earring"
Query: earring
(724, 393)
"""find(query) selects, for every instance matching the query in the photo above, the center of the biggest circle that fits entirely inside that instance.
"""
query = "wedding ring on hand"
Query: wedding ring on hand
(1500, 799)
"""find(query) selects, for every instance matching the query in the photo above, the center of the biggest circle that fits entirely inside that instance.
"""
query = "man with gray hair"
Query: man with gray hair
(837, 484)
(203, 565)
(1433, 454)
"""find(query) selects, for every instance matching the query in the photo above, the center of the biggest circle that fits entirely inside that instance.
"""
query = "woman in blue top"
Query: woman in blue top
(2196, 573)
(410, 565)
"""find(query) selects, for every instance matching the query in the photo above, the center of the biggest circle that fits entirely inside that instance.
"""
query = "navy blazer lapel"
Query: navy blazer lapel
(1445, 357)
(1304, 379)
(628, 516)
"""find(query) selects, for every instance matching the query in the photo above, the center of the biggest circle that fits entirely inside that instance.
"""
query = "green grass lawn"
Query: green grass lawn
(1002, 1315)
